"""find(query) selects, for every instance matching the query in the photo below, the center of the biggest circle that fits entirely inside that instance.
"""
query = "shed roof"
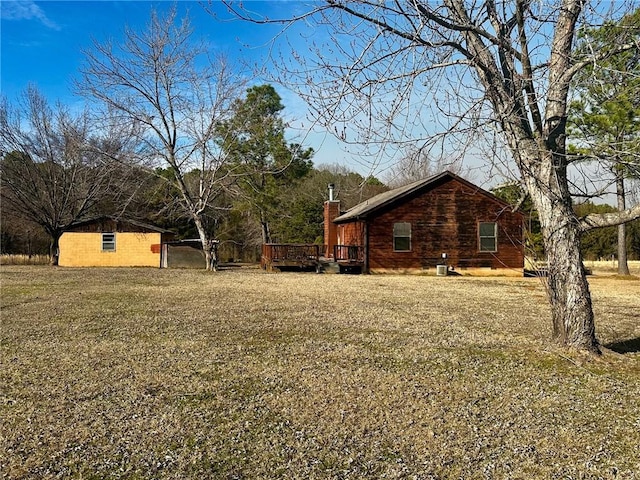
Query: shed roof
(120, 221)
(368, 207)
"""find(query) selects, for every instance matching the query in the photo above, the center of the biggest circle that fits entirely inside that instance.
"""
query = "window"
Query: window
(488, 233)
(402, 237)
(108, 242)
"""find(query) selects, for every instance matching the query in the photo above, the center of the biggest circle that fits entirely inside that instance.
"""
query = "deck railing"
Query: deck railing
(348, 253)
(303, 255)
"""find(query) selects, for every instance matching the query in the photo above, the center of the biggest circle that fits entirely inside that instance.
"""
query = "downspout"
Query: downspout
(163, 252)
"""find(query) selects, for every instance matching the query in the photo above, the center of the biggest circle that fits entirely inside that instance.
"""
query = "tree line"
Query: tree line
(72, 173)
(62, 169)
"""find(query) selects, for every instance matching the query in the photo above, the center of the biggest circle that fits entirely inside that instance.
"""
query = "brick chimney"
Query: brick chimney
(331, 211)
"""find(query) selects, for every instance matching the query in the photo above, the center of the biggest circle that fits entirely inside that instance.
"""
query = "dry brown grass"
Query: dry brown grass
(144, 373)
(12, 259)
(611, 267)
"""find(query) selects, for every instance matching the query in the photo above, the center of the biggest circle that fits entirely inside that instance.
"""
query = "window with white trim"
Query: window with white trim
(488, 236)
(402, 237)
(108, 242)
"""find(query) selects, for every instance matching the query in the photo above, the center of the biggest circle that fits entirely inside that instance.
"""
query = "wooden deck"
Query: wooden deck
(281, 256)
(276, 256)
(350, 258)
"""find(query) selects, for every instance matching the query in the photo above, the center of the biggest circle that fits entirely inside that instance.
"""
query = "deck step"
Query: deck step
(329, 267)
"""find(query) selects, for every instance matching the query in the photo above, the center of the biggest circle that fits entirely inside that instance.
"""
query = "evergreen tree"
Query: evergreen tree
(265, 166)
(605, 117)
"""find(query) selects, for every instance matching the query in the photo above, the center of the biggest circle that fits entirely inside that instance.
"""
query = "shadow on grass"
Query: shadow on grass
(626, 346)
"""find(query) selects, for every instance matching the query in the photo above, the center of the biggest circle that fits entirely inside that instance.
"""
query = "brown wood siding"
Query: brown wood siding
(445, 220)
(351, 233)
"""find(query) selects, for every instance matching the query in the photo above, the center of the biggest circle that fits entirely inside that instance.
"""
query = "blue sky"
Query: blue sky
(42, 43)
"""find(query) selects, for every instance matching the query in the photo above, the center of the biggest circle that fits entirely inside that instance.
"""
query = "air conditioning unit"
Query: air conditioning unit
(441, 270)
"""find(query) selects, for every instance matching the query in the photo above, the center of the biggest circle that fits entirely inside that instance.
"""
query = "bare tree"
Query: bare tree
(493, 73)
(417, 164)
(56, 166)
(164, 81)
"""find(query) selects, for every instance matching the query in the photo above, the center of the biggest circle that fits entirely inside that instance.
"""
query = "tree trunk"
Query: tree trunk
(567, 285)
(568, 291)
(54, 249)
(209, 246)
(211, 255)
(264, 228)
(623, 265)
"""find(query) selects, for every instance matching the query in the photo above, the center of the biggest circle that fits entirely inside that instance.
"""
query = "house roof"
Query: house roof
(368, 207)
(119, 220)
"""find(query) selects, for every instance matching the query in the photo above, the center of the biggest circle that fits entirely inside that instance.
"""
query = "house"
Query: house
(442, 224)
(114, 242)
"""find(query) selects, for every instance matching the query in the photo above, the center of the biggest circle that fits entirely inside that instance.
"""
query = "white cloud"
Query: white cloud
(25, 10)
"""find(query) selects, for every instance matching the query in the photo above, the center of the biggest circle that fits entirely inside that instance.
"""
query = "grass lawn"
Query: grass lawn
(146, 373)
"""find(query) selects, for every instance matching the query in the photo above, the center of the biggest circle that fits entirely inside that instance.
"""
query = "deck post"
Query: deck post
(366, 248)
